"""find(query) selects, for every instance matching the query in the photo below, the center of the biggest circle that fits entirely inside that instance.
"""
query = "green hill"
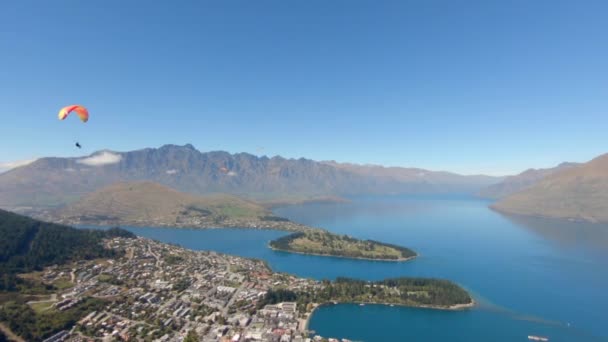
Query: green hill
(153, 204)
(27, 245)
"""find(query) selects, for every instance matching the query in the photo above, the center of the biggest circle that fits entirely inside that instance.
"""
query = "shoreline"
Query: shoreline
(345, 257)
(455, 307)
(295, 227)
(298, 228)
(307, 321)
(515, 214)
(287, 203)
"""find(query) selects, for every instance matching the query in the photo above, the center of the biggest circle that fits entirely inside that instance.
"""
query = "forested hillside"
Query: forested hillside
(27, 245)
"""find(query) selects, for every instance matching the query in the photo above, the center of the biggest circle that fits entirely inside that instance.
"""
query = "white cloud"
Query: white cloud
(232, 173)
(103, 158)
(5, 166)
(171, 172)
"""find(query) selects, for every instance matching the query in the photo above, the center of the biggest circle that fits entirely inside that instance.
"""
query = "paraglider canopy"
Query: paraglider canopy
(82, 112)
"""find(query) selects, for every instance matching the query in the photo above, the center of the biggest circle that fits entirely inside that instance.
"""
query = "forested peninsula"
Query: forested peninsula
(415, 292)
(318, 242)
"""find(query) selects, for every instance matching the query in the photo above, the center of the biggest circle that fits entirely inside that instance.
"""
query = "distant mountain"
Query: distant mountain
(513, 184)
(144, 203)
(579, 193)
(51, 182)
(417, 180)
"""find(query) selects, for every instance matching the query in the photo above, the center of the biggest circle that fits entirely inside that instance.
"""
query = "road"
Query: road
(232, 299)
(50, 300)
(9, 333)
(122, 318)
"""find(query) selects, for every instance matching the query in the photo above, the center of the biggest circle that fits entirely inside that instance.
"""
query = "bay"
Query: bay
(529, 276)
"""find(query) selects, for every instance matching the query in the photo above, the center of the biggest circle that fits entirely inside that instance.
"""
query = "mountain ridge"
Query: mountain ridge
(521, 181)
(54, 181)
(577, 193)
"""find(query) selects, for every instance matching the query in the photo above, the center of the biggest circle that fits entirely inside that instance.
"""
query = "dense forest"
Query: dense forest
(402, 291)
(27, 245)
(325, 243)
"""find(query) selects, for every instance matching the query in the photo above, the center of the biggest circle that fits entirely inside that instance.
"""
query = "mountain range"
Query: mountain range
(53, 182)
(513, 184)
(576, 193)
(569, 190)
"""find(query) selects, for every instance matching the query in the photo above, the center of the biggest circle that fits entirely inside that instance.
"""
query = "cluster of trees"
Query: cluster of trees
(191, 337)
(405, 291)
(284, 241)
(182, 284)
(23, 321)
(199, 211)
(416, 291)
(405, 252)
(273, 218)
(340, 245)
(171, 259)
(98, 218)
(28, 245)
(278, 296)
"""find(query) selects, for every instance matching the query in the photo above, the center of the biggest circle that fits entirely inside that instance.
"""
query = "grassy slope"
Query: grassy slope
(148, 201)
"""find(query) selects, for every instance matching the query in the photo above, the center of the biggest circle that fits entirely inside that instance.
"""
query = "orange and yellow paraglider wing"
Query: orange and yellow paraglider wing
(82, 112)
(63, 113)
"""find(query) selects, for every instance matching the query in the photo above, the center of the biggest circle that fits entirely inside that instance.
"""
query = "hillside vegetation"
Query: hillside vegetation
(417, 292)
(325, 243)
(35, 326)
(153, 204)
(27, 245)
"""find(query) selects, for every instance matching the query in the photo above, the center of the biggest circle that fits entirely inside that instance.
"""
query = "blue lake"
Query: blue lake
(529, 276)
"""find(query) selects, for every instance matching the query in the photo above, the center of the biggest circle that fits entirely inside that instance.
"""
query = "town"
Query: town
(162, 292)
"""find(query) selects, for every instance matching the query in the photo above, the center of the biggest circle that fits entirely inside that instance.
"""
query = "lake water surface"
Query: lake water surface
(529, 276)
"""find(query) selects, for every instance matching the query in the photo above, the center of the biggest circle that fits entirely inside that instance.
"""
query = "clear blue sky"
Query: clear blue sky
(468, 86)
